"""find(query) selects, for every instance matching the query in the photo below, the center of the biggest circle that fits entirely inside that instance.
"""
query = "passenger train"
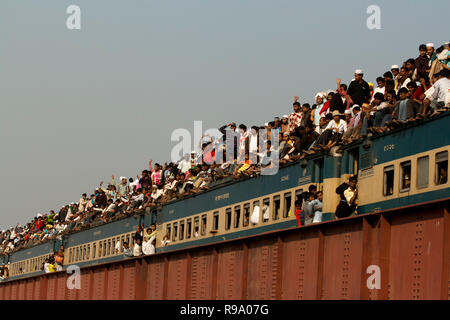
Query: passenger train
(404, 167)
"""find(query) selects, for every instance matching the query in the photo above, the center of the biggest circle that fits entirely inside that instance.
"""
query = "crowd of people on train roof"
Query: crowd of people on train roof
(409, 93)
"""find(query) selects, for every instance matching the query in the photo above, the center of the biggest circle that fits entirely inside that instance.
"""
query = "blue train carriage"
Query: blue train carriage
(403, 168)
(393, 172)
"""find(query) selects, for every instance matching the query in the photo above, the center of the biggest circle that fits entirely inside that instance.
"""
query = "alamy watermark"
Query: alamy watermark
(374, 19)
(73, 21)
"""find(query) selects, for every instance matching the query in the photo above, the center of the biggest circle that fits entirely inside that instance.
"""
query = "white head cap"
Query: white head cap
(394, 66)
(347, 112)
(318, 94)
(121, 178)
(358, 71)
(266, 124)
(285, 116)
(430, 45)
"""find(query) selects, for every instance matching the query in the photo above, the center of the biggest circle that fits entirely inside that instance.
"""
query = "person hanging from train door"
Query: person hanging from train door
(349, 195)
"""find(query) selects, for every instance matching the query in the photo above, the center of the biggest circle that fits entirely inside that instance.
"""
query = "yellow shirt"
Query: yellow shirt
(51, 267)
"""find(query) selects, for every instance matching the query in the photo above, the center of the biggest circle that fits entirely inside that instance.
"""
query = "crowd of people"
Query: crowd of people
(407, 94)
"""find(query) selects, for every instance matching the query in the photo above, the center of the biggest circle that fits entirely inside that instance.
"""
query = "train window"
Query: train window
(204, 220)
(276, 207)
(256, 206)
(298, 194)
(175, 231)
(237, 216)
(77, 254)
(287, 204)
(422, 172)
(109, 248)
(122, 239)
(388, 188)
(441, 167)
(131, 235)
(70, 255)
(100, 249)
(83, 255)
(168, 230)
(104, 247)
(181, 230)
(88, 253)
(228, 219)
(405, 176)
(94, 250)
(216, 221)
(246, 214)
(188, 228)
(265, 212)
(196, 226)
(113, 246)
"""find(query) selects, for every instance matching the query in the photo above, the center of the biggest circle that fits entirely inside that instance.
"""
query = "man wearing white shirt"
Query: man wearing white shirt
(337, 124)
(440, 91)
(185, 164)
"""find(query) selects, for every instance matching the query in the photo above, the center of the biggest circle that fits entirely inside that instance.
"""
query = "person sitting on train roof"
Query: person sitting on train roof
(405, 109)
(439, 97)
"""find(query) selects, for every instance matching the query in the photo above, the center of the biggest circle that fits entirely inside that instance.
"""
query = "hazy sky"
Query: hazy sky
(79, 105)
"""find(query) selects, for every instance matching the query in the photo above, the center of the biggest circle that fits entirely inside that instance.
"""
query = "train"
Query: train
(404, 167)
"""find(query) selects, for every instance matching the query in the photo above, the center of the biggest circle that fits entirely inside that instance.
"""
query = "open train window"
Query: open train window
(215, 226)
(104, 247)
(276, 207)
(196, 226)
(228, 219)
(168, 230)
(287, 204)
(237, 216)
(175, 231)
(188, 228)
(181, 230)
(256, 205)
(405, 176)
(388, 185)
(441, 167)
(94, 250)
(265, 212)
(204, 221)
(298, 194)
(246, 214)
(422, 172)
(88, 253)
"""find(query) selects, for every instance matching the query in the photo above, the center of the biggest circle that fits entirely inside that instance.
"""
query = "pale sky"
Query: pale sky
(79, 105)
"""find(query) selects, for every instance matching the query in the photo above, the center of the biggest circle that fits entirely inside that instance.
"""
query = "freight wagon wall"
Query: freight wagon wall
(410, 246)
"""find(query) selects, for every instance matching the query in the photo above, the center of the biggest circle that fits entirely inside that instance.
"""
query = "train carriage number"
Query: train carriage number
(389, 147)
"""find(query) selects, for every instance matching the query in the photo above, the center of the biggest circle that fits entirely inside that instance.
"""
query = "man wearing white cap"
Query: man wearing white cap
(123, 189)
(430, 53)
(358, 90)
(319, 104)
(284, 124)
